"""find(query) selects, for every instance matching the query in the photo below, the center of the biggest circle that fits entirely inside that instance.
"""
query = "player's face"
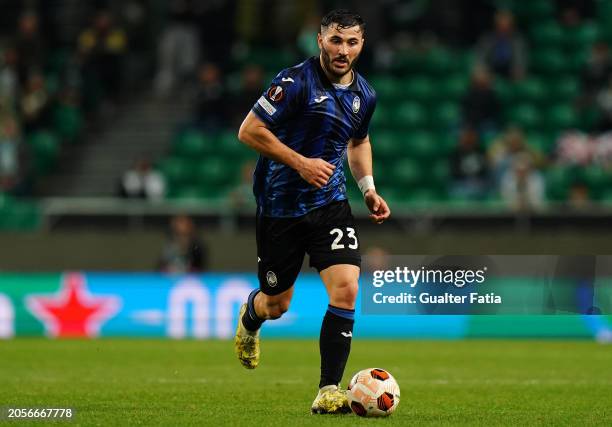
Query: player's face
(340, 49)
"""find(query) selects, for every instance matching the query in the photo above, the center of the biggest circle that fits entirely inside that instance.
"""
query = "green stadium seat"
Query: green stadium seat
(45, 147)
(387, 144)
(386, 87)
(192, 143)
(198, 193)
(417, 89)
(439, 62)
(440, 173)
(541, 142)
(176, 170)
(67, 122)
(407, 62)
(19, 216)
(406, 172)
(452, 88)
(445, 115)
(558, 181)
(563, 88)
(581, 37)
(598, 179)
(215, 171)
(530, 89)
(525, 116)
(504, 91)
(381, 118)
(547, 34)
(534, 10)
(549, 62)
(560, 117)
(422, 144)
(410, 115)
(424, 197)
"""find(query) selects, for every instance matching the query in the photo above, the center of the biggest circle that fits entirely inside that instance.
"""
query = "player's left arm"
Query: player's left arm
(360, 162)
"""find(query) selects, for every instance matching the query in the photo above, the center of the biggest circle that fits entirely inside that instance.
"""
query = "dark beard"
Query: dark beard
(328, 65)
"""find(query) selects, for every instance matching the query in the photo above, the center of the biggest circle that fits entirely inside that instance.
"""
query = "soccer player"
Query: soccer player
(312, 116)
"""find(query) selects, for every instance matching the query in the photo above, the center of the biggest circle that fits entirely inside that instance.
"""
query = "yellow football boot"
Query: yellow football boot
(330, 400)
(246, 343)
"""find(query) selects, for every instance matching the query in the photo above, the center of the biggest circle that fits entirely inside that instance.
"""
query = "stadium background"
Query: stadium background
(119, 116)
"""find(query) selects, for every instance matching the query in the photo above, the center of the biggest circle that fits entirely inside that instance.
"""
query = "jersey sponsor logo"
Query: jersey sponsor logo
(321, 98)
(287, 79)
(265, 104)
(271, 279)
(275, 93)
(356, 104)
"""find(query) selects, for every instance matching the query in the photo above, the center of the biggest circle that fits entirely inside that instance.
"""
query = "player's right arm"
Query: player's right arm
(254, 133)
(284, 99)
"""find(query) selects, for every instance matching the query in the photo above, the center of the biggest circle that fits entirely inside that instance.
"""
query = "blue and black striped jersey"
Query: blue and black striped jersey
(317, 119)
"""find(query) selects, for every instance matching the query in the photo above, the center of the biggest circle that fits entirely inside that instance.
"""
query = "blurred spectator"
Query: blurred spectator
(184, 252)
(522, 187)
(574, 148)
(241, 197)
(252, 86)
(503, 50)
(102, 47)
(211, 103)
(142, 182)
(468, 165)
(35, 103)
(604, 103)
(10, 168)
(579, 196)
(597, 70)
(29, 46)
(178, 52)
(9, 83)
(506, 148)
(480, 104)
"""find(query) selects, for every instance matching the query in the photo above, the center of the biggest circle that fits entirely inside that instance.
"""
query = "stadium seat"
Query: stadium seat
(558, 181)
(525, 116)
(410, 115)
(213, 171)
(193, 143)
(445, 115)
(416, 89)
(452, 87)
(387, 145)
(381, 118)
(19, 216)
(563, 88)
(386, 87)
(541, 142)
(549, 62)
(422, 145)
(560, 117)
(406, 172)
(176, 170)
(45, 147)
(598, 179)
(546, 34)
(530, 89)
(581, 37)
(67, 122)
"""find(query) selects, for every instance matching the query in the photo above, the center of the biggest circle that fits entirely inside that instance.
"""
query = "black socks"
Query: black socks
(250, 320)
(335, 343)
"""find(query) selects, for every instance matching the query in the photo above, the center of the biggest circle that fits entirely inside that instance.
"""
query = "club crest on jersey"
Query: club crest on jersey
(275, 93)
(271, 279)
(356, 104)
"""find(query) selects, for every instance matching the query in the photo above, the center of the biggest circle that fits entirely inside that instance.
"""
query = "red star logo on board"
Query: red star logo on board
(73, 312)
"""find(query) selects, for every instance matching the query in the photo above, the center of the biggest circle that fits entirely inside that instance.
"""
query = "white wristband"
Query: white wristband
(366, 183)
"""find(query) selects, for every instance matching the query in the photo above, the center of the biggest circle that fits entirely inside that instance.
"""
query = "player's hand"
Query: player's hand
(377, 205)
(315, 171)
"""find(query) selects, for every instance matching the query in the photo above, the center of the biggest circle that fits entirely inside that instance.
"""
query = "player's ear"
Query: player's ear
(320, 40)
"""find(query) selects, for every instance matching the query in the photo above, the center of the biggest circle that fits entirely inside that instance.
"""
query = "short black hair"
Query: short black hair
(343, 18)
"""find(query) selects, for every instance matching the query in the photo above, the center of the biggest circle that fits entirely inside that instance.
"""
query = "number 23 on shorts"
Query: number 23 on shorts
(339, 233)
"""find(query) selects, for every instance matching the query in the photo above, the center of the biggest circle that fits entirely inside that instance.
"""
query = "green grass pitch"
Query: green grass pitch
(163, 382)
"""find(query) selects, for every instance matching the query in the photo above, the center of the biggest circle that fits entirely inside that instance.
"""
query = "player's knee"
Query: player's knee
(345, 294)
(275, 309)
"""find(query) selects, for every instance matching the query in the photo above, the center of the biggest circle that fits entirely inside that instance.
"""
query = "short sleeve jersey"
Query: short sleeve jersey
(317, 119)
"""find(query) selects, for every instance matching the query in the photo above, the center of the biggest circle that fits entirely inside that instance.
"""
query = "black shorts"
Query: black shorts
(327, 234)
